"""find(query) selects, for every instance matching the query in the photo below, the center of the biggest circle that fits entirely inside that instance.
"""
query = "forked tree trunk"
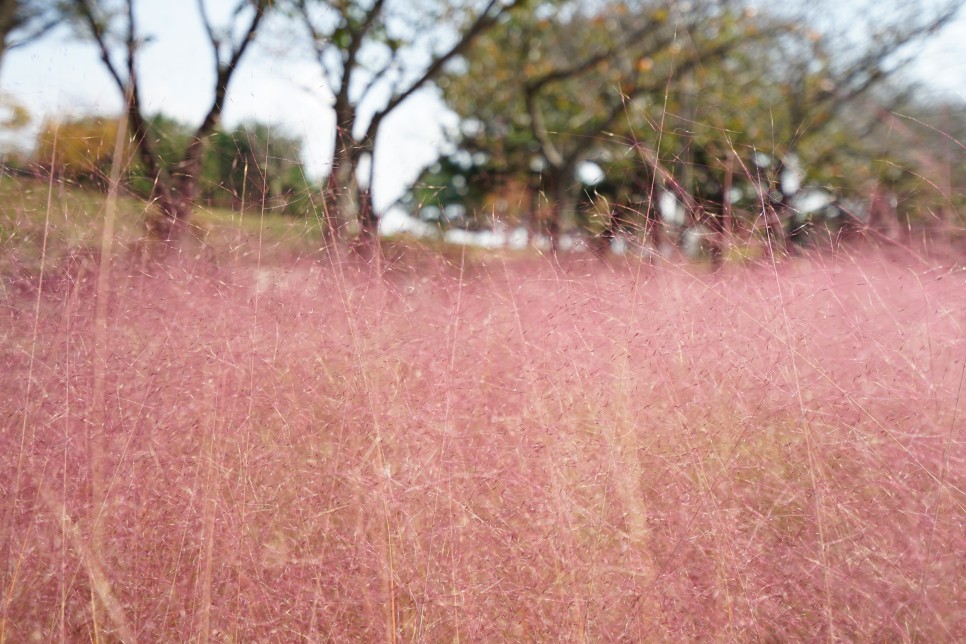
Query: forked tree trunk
(174, 189)
(349, 209)
(351, 216)
(175, 212)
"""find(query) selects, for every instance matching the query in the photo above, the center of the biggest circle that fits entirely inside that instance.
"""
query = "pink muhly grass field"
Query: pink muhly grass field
(488, 451)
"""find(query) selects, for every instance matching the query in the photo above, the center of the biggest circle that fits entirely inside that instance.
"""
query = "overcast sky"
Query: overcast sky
(61, 76)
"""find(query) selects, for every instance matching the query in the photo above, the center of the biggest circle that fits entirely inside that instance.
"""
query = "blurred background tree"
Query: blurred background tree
(257, 164)
(727, 106)
(650, 121)
(377, 54)
(80, 150)
(252, 165)
(112, 28)
(24, 21)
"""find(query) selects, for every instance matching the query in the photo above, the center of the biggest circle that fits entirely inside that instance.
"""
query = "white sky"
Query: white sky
(62, 76)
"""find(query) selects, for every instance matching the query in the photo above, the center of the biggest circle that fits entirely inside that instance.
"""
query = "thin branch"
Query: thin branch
(227, 69)
(357, 36)
(319, 44)
(209, 30)
(36, 33)
(378, 76)
(87, 11)
(538, 128)
(260, 7)
(483, 21)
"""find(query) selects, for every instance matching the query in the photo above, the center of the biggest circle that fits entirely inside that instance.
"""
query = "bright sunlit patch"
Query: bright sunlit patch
(397, 221)
(590, 174)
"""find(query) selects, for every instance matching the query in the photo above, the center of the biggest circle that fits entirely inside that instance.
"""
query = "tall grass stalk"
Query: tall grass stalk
(26, 409)
(466, 447)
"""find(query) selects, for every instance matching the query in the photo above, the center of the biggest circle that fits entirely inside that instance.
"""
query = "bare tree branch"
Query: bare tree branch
(225, 70)
(484, 20)
(87, 11)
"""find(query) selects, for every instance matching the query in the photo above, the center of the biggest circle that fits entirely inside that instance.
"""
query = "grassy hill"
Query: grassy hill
(74, 218)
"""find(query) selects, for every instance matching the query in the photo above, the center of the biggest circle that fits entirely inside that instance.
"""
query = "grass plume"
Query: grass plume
(484, 448)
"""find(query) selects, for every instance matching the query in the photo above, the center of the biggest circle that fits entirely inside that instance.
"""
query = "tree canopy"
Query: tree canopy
(719, 103)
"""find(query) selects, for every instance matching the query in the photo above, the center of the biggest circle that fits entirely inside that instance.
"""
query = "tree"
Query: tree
(916, 179)
(835, 78)
(24, 21)
(692, 101)
(112, 27)
(375, 54)
(585, 68)
(454, 192)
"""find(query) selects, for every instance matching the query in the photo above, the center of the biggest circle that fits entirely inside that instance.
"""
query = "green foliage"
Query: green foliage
(594, 87)
(696, 99)
(256, 164)
(454, 190)
(380, 53)
(169, 139)
(78, 149)
(252, 164)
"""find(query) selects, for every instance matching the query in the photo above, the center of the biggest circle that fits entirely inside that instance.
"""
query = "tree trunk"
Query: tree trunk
(176, 198)
(716, 240)
(366, 244)
(8, 22)
(603, 242)
(776, 206)
(561, 203)
(725, 226)
(883, 217)
(653, 220)
(342, 191)
(368, 221)
(775, 241)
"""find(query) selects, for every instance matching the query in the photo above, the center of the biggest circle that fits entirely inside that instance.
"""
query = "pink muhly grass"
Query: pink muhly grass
(490, 451)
